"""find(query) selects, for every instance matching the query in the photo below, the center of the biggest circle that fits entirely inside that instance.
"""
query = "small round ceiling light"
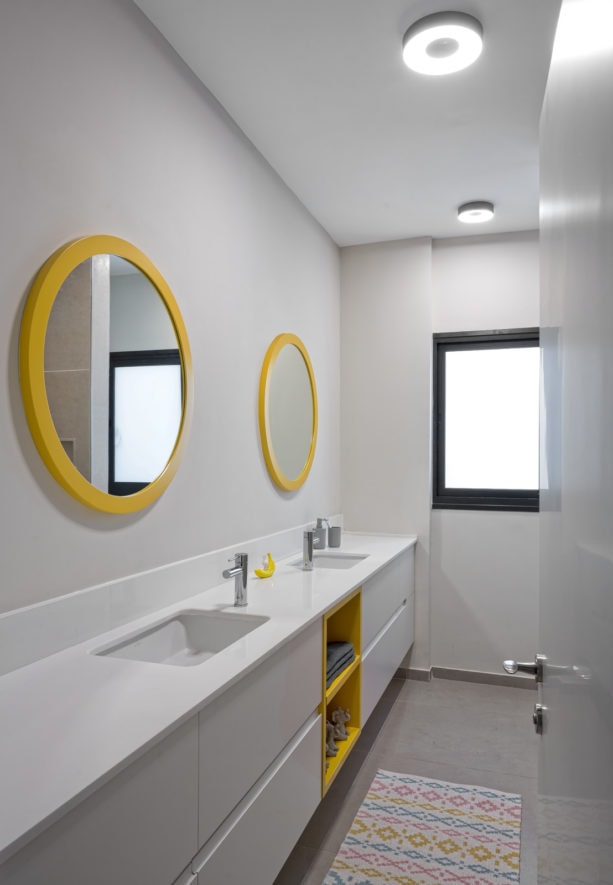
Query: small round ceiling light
(476, 212)
(442, 43)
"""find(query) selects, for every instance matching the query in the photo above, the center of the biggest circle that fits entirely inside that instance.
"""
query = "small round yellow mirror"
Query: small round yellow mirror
(105, 373)
(288, 411)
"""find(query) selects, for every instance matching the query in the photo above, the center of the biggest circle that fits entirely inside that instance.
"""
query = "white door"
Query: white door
(576, 587)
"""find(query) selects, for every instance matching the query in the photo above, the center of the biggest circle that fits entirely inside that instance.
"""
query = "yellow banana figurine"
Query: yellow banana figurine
(269, 570)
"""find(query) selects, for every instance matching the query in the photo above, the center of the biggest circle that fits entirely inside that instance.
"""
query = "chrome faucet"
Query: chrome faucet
(239, 573)
(310, 542)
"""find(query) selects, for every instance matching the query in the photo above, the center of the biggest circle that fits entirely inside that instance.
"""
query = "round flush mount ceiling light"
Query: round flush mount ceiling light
(476, 212)
(442, 43)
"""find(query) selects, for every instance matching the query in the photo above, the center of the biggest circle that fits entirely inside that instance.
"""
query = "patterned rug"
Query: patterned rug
(418, 831)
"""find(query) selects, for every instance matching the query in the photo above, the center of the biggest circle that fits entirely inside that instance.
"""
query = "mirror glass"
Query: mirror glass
(288, 411)
(113, 374)
(105, 371)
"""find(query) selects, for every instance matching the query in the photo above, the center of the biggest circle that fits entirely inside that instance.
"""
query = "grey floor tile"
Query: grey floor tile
(319, 869)
(297, 865)
(460, 732)
(451, 693)
(475, 734)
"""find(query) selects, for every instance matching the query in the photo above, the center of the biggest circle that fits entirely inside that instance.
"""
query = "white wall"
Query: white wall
(386, 356)
(484, 565)
(104, 130)
(485, 282)
(476, 572)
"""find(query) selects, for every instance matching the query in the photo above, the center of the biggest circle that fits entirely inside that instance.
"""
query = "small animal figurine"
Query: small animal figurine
(339, 718)
(331, 748)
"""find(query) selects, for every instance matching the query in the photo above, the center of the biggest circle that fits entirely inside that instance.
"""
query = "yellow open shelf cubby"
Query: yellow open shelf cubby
(342, 623)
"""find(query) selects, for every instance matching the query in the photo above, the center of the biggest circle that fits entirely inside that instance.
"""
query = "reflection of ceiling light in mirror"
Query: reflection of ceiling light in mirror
(476, 212)
(442, 43)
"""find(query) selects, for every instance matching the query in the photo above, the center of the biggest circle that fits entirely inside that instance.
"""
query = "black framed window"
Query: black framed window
(486, 420)
(145, 412)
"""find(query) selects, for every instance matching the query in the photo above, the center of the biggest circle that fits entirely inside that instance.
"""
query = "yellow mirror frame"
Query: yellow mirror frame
(284, 482)
(36, 314)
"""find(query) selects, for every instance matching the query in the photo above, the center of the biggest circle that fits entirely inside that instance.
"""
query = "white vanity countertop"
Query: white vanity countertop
(72, 720)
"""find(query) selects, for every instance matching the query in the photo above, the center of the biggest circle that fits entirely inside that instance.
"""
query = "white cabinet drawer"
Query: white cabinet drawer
(243, 731)
(384, 593)
(139, 827)
(382, 659)
(256, 843)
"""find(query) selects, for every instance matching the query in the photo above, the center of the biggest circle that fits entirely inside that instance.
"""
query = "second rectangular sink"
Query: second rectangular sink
(333, 560)
(185, 639)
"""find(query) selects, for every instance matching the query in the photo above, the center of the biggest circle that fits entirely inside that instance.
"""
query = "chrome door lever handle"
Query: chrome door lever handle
(517, 667)
(534, 668)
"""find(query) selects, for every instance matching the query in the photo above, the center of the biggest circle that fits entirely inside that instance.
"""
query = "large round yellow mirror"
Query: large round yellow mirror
(105, 372)
(288, 411)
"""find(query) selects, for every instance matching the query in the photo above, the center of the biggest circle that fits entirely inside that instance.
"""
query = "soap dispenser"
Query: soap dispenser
(319, 534)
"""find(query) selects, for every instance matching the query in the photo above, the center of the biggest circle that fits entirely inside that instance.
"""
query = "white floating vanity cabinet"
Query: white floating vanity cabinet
(226, 795)
(138, 829)
(388, 604)
(262, 782)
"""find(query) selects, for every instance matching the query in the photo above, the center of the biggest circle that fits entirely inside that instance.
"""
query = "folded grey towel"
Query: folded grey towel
(336, 650)
(338, 656)
(330, 677)
(341, 663)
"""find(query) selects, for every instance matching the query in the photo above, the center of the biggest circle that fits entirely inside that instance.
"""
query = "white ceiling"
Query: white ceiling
(373, 151)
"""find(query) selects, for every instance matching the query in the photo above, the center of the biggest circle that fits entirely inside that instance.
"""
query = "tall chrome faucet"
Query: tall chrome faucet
(239, 573)
(310, 542)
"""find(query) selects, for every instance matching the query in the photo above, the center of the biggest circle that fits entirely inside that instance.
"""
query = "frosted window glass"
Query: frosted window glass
(492, 418)
(147, 420)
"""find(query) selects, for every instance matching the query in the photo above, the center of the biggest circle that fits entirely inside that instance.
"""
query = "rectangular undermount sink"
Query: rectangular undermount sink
(185, 639)
(333, 560)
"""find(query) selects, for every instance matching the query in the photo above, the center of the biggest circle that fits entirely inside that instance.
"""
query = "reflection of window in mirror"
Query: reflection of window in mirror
(145, 408)
(93, 296)
(105, 304)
